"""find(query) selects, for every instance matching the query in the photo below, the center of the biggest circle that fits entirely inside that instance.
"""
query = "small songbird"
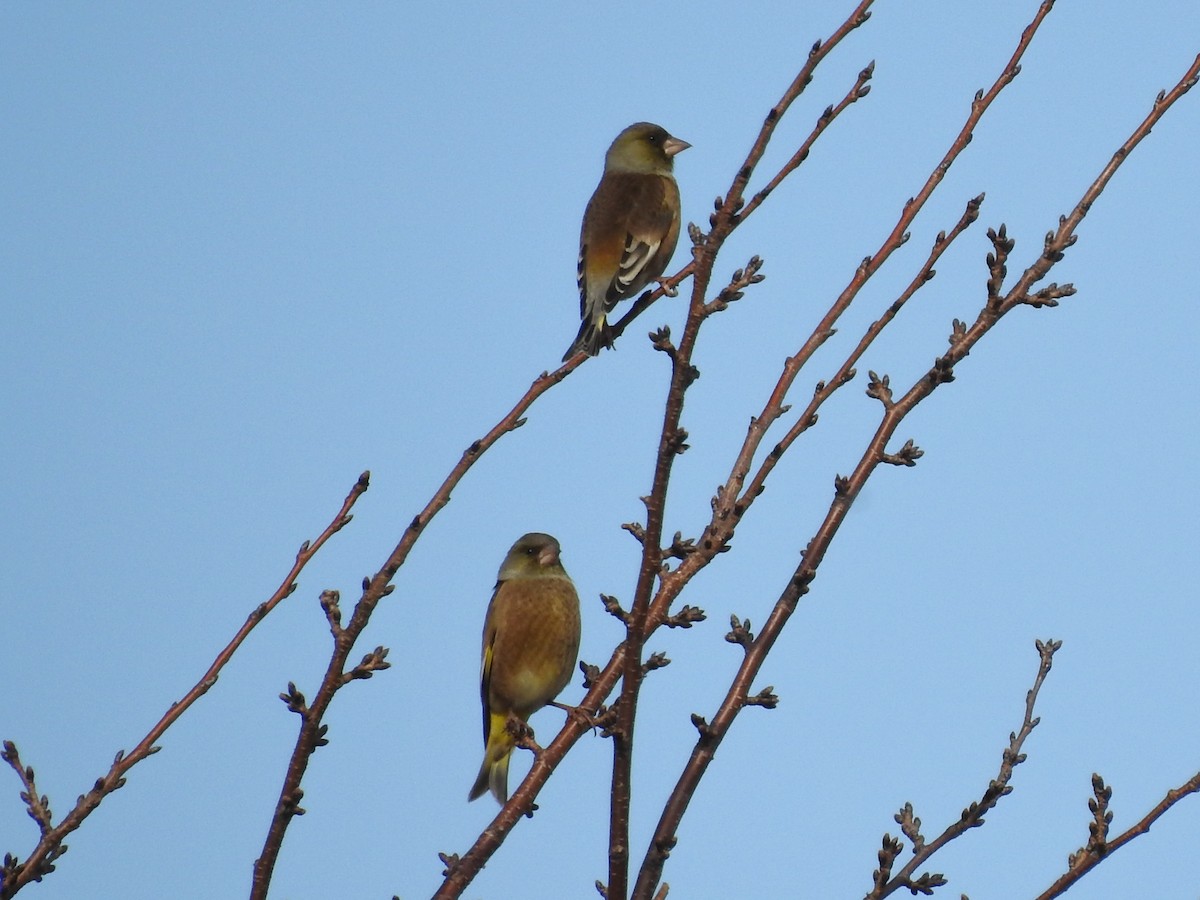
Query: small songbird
(530, 644)
(629, 229)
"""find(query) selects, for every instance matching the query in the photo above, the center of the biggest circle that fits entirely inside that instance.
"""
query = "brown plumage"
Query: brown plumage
(530, 644)
(630, 228)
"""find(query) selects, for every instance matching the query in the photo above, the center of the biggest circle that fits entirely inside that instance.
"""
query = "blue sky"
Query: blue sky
(253, 249)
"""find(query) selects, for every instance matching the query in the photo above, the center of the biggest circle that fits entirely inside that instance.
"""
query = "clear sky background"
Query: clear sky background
(253, 249)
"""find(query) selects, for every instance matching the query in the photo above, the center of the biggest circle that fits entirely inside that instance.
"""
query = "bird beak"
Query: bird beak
(548, 557)
(673, 145)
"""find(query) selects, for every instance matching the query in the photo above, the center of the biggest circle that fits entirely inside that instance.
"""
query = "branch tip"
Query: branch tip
(656, 660)
(766, 698)
(905, 456)
(685, 618)
(660, 340)
(613, 607)
(740, 633)
(879, 388)
(591, 674)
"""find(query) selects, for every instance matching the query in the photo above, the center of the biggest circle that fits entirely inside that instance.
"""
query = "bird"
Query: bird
(630, 228)
(530, 645)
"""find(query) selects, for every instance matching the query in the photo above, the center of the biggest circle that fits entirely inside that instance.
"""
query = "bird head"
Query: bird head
(534, 555)
(644, 148)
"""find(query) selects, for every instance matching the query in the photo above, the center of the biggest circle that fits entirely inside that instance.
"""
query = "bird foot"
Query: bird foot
(522, 734)
(668, 289)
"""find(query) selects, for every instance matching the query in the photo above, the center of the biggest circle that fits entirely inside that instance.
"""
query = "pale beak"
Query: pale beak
(548, 556)
(673, 145)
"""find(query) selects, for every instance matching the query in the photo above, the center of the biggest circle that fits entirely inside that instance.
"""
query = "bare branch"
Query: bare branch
(729, 505)
(51, 846)
(724, 521)
(729, 212)
(1059, 240)
(972, 816)
(1098, 848)
(686, 617)
(735, 290)
(375, 588)
(860, 89)
(743, 495)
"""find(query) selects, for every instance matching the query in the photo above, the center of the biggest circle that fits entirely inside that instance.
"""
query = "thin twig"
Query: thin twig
(466, 867)
(730, 503)
(672, 442)
(735, 491)
(1088, 858)
(972, 816)
(375, 588)
(40, 861)
(731, 210)
(726, 513)
(463, 869)
(848, 488)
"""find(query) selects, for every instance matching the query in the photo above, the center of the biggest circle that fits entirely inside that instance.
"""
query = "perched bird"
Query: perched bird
(629, 229)
(530, 644)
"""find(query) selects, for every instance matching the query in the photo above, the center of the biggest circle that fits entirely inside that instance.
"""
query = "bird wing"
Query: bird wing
(629, 277)
(485, 666)
(626, 223)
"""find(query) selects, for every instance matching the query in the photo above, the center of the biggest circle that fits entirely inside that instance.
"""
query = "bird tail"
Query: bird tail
(593, 334)
(493, 774)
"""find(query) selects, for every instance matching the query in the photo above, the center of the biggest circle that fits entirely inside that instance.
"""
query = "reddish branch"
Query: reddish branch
(963, 339)
(729, 506)
(461, 870)
(718, 533)
(731, 503)
(673, 442)
(651, 609)
(886, 884)
(644, 617)
(733, 496)
(16, 874)
(1098, 847)
(732, 210)
(375, 588)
